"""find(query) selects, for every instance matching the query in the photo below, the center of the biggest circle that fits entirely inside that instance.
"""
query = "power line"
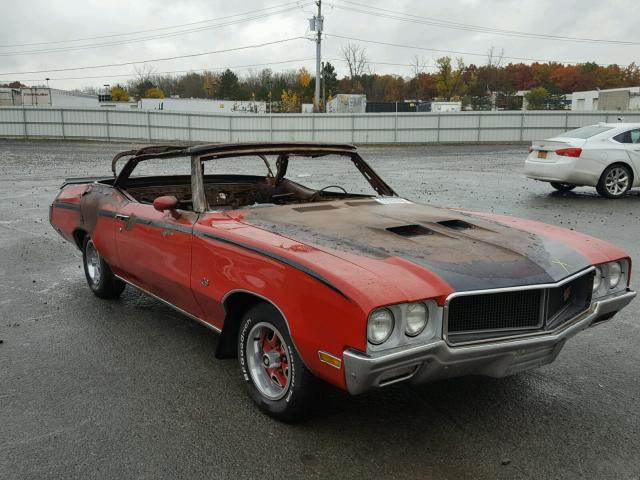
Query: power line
(203, 69)
(297, 3)
(395, 15)
(191, 55)
(414, 47)
(143, 39)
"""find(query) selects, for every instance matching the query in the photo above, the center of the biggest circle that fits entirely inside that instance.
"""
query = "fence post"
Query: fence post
(149, 124)
(62, 122)
(313, 127)
(107, 123)
(230, 133)
(479, 126)
(522, 125)
(24, 122)
(438, 129)
(566, 121)
(395, 132)
(270, 125)
(189, 126)
(353, 129)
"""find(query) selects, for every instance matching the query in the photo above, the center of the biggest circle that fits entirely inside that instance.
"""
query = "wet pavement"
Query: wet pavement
(130, 389)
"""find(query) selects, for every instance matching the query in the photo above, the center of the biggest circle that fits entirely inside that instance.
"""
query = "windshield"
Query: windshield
(585, 132)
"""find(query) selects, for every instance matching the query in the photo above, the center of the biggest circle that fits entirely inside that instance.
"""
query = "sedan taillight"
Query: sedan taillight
(569, 152)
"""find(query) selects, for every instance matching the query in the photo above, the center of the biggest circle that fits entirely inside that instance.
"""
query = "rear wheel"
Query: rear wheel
(101, 280)
(275, 377)
(615, 181)
(563, 187)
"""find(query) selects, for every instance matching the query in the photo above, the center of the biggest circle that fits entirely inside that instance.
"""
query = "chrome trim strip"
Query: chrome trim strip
(540, 286)
(169, 304)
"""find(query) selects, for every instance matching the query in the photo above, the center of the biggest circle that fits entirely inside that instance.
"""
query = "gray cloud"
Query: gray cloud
(48, 21)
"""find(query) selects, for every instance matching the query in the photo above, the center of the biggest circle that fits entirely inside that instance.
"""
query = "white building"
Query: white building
(446, 106)
(347, 103)
(610, 99)
(203, 105)
(53, 97)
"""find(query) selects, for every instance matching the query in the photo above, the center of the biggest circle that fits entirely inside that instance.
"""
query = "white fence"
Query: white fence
(153, 126)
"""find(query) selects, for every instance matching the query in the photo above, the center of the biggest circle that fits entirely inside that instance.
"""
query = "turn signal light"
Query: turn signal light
(569, 152)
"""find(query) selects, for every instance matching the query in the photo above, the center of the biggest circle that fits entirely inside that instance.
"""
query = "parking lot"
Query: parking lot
(130, 389)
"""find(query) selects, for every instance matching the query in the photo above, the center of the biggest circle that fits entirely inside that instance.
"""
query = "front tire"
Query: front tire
(615, 181)
(274, 374)
(563, 187)
(102, 282)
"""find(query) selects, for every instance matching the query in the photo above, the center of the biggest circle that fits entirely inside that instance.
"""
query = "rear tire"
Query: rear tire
(615, 181)
(274, 374)
(563, 187)
(102, 282)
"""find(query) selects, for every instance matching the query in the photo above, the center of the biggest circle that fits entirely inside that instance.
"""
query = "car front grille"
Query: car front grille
(491, 315)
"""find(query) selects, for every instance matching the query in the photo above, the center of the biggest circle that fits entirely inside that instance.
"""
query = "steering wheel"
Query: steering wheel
(315, 196)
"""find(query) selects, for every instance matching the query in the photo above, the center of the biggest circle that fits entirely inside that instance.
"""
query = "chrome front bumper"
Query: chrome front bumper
(436, 359)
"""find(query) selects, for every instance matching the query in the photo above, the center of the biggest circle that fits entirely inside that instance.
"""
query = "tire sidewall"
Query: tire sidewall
(96, 287)
(289, 406)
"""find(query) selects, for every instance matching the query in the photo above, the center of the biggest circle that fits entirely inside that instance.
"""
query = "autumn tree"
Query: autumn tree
(449, 80)
(119, 94)
(289, 102)
(228, 88)
(154, 92)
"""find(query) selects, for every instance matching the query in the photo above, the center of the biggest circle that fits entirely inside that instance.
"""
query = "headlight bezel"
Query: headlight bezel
(425, 320)
(399, 338)
(381, 310)
(602, 285)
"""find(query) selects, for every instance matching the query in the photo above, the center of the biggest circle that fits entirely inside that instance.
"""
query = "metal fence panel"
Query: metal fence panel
(427, 127)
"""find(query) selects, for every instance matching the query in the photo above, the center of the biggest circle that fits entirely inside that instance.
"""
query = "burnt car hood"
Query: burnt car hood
(467, 251)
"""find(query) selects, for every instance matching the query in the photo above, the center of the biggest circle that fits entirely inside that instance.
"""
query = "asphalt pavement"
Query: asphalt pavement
(130, 389)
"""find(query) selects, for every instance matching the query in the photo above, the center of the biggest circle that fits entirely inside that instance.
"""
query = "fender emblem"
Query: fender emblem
(205, 282)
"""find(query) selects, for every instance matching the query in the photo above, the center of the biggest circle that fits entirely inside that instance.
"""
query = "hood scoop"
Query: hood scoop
(314, 208)
(410, 230)
(456, 224)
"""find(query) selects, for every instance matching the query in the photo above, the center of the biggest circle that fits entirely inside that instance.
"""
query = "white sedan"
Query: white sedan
(605, 156)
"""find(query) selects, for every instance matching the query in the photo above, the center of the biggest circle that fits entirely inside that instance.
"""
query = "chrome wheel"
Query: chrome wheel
(617, 181)
(268, 361)
(94, 265)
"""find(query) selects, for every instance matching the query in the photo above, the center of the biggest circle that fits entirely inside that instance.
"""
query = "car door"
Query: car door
(154, 250)
(633, 148)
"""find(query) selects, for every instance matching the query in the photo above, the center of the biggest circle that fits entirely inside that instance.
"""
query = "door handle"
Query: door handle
(119, 216)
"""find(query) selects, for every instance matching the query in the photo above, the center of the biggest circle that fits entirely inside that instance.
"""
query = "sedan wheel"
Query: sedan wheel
(615, 181)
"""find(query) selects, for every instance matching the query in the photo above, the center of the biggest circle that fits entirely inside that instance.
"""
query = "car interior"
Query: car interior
(234, 191)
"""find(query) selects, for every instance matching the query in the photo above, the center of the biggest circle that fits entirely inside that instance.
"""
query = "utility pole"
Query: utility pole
(318, 21)
(324, 90)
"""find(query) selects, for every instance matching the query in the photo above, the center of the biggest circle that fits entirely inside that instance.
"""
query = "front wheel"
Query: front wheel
(275, 377)
(615, 181)
(563, 187)
(101, 280)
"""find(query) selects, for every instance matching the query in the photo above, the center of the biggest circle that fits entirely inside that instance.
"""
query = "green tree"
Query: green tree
(228, 88)
(449, 80)
(536, 98)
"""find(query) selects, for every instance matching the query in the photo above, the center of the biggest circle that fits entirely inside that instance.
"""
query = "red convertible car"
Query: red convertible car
(311, 267)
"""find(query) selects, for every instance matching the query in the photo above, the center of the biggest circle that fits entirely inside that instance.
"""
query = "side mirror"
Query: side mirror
(168, 202)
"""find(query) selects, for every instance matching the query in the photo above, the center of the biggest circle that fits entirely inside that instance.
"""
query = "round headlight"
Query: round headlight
(417, 317)
(380, 326)
(615, 274)
(597, 280)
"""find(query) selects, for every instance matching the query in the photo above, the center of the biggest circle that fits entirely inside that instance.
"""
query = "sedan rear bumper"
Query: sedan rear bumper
(437, 360)
(581, 171)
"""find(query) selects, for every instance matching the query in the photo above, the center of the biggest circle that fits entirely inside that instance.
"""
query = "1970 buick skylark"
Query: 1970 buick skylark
(338, 279)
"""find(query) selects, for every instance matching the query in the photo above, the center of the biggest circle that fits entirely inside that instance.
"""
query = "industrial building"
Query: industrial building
(347, 103)
(46, 97)
(611, 99)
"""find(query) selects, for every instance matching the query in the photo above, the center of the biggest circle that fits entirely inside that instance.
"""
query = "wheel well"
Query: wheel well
(235, 306)
(78, 236)
(624, 164)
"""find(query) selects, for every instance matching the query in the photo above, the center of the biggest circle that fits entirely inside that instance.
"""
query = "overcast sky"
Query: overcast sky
(48, 22)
